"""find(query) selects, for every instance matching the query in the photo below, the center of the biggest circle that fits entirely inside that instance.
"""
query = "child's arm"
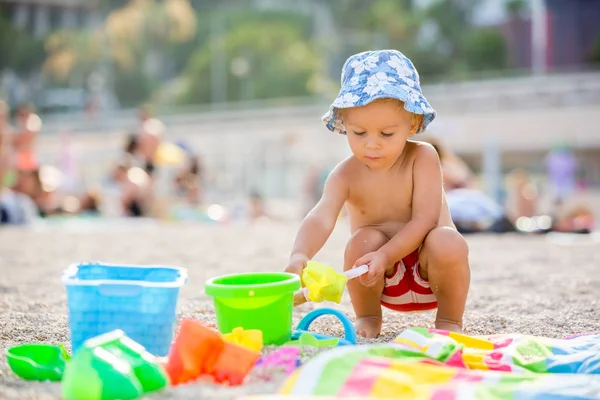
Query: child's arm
(426, 207)
(319, 223)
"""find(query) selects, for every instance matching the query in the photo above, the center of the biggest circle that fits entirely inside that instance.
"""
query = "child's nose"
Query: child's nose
(372, 144)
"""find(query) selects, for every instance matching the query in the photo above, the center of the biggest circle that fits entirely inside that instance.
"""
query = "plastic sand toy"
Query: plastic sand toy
(287, 358)
(262, 300)
(323, 283)
(139, 300)
(309, 318)
(251, 339)
(309, 339)
(198, 350)
(112, 366)
(37, 362)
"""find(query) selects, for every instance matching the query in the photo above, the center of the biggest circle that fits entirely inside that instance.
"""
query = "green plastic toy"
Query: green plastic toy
(112, 366)
(262, 301)
(37, 362)
(307, 339)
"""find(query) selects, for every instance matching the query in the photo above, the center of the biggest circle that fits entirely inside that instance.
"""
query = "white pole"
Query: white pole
(539, 37)
(492, 168)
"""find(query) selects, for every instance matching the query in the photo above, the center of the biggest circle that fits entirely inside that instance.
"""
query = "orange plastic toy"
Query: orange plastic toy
(198, 350)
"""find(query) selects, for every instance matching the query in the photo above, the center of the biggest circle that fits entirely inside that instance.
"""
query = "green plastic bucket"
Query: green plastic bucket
(258, 300)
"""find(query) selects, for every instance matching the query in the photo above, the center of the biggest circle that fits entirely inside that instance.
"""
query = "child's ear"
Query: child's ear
(417, 120)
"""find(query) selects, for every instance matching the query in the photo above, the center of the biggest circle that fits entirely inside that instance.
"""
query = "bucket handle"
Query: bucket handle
(350, 332)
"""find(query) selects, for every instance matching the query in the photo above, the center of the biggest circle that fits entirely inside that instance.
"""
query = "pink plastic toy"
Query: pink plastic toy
(287, 357)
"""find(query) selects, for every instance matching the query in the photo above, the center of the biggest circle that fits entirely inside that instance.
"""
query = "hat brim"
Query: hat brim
(414, 103)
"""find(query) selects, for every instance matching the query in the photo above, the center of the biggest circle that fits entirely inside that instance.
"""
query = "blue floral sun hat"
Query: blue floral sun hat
(373, 75)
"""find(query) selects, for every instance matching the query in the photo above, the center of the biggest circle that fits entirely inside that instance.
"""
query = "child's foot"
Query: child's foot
(448, 325)
(368, 327)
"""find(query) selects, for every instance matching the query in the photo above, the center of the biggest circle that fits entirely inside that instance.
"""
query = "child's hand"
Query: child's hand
(378, 263)
(297, 264)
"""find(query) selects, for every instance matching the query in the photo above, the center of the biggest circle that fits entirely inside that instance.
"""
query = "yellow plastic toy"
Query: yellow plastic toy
(323, 283)
(251, 339)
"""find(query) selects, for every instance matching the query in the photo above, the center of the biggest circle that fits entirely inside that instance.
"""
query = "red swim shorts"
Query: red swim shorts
(405, 290)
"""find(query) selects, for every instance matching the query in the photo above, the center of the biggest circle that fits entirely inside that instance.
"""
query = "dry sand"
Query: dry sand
(520, 284)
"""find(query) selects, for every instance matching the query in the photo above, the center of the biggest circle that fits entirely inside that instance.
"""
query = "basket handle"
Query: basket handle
(108, 289)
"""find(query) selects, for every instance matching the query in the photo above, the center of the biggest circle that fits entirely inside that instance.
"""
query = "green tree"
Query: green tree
(73, 55)
(433, 37)
(515, 7)
(486, 50)
(133, 43)
(595, 54)
(267, 55)
(19, 50)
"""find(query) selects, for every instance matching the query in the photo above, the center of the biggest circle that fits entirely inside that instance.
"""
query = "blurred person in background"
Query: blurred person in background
(314, 183)
(132, 156)
(576, 218)
(523, 195)
(29, 125)
(456, 173)
(134, 191)
(561, 167)
(471, 209)
(151, 132)
(6, 148)
(88, 203)
(130, 149)
(257, 210)
(189, 180)
(18, 204)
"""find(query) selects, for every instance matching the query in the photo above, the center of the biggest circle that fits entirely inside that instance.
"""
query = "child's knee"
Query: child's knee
(363, 241)
(446, 246)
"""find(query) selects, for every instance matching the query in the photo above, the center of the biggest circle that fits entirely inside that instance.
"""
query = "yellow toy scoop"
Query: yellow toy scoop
(322, 283)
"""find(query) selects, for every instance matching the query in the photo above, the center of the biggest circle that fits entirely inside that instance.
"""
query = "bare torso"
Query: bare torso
(383, 199)
(6, 149)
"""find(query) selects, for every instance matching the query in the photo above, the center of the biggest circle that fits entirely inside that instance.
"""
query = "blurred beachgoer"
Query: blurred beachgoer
(131, 145)
(6, 149)
(189, 180)
(523, 195)
(471, 209)
(575, 218)
(151, 132)
(561, 167)
(257, 206)
(456, 173)
(86, 204)
(131, 151)
(89, 202)
(135, 191)
(313, 186)
(18, 204)
(29, 125)
(132, 156)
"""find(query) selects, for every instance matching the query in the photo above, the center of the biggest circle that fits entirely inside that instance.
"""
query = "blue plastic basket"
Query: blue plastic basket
(140, 300)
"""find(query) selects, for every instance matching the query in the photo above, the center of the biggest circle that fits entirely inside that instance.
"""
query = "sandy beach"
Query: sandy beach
(540, 285)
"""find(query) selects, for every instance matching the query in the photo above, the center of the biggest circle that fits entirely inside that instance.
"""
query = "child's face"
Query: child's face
(377, 132)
